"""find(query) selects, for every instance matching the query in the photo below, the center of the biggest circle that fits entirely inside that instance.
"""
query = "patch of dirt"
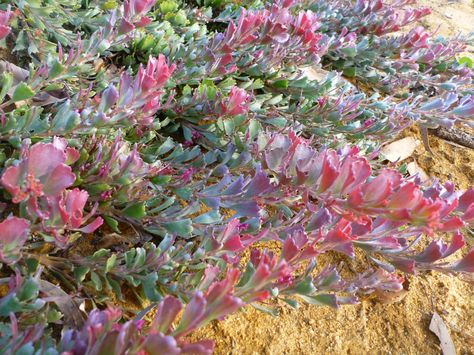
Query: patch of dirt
(400, 328)
(372, 327)
(451, 16)
(448, 162)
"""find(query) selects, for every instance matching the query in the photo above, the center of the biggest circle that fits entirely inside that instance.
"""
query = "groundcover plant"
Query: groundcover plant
(150, 151)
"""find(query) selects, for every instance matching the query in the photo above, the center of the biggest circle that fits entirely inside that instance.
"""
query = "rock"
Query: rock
(400, 149)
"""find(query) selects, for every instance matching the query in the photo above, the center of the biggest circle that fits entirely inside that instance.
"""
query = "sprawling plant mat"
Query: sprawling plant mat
(167, 163)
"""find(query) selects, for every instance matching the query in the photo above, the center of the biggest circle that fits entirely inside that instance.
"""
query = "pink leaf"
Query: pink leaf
(168, 310)
(466, 264)
(10, 179)
(58, 180)
(329, 172)
(4, 31)
(14, 230)
(91, 227)
(193, 314)
(203, 347)
(144, 21)
(405, 197)
(233, 244)
(125, 27)
(44, 158)
(160, 344)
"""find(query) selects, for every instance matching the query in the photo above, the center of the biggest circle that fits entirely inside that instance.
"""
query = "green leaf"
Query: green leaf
(349, 51)
(27, 349)
(53, 316)
(80, 273)
(111, 262)
(65, 119)
(448, 86)
(56, 69)
(229, 126)
(136, 211)
(129, 256)
(150, 289)
(274, 100)
(254, 128)
(350, 72)
(23, 92)
(7, 82)
(100, 253)
(109, 5)
(269, 310)
(403, 169)
(281, 84)
(187, 90)
(32, 265)
(184, 193)
(257, 84)
(182, 228)
(322, 300)
(96, 281)
(279, 122)
(467, 61)
(96, 189)
(112, 223)
(187, 133)
(442, 67)
(209, 217)
(161, 179)
(140, 258)
(247, 275)
(291, 302)
(29, 290)
(227, 83)
(167, 145)
(8, 304)
(305, 287)
(115, 286)
(21, 42)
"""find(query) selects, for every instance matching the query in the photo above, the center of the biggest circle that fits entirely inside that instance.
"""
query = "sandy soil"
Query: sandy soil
(452, 16)
(373, 327)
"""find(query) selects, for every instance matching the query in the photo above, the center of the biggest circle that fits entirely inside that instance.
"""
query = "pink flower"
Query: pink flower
(42, 171)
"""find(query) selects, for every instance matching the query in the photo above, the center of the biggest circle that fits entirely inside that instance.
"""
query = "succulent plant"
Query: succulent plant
(151, 151)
